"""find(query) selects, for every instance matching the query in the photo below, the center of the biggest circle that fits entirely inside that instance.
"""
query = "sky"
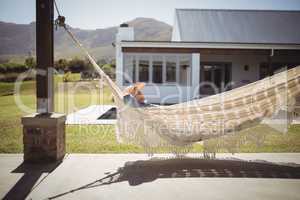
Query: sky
(93, 14)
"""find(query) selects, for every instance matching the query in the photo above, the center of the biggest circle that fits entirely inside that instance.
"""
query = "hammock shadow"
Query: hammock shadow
(142, 171)
(139, 172)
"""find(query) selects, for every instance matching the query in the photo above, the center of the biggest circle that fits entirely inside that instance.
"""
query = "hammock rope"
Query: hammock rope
(60, 21)
(117, 93)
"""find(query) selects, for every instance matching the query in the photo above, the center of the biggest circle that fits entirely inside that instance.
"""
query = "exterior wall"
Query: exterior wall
(167, 94)
(174, 93)
(286, 59)
(176, 30)
(119, 65)
(124, 33)
(195, 74)
(239, 75)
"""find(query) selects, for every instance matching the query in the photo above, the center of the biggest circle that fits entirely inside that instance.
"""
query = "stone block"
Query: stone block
(44, 137)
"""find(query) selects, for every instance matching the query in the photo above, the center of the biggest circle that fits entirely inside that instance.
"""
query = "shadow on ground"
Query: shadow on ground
(142, 171)
(28, 182)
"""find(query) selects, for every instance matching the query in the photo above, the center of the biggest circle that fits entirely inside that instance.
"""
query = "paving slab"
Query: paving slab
(136, 176)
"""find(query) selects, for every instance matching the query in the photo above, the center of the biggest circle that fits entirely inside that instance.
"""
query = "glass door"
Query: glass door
(214, 78)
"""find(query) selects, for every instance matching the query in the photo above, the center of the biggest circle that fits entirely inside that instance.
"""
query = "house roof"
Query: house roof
(239, 26)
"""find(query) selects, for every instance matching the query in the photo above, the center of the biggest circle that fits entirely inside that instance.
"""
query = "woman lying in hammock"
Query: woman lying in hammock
(134, 97)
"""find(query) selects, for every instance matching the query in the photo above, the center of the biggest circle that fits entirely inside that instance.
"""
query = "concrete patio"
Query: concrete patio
(106, 176)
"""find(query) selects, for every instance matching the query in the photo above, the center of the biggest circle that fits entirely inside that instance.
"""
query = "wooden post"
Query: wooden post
(44, 55)
(44, 131)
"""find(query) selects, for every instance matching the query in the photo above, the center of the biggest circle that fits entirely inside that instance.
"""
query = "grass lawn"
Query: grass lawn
(72, 96)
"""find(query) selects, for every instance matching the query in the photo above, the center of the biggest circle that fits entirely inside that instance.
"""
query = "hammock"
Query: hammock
(214, 116)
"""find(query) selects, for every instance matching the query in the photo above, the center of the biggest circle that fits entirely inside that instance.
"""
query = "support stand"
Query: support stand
(44, 132)
(44, 137)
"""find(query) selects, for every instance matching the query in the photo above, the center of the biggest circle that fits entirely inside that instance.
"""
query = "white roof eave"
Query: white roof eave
(207, 45)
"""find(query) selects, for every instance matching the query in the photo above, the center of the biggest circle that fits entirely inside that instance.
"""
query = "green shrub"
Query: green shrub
(30, 62)
(2, 68)
(12, 68)
(109, 70)
(11, 77)
(76, 65)
(61, 64)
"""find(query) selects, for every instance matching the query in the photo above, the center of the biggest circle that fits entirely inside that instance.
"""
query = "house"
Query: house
(211, 51)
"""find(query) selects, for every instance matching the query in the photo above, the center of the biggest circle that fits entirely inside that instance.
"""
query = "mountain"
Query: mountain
(19, 39)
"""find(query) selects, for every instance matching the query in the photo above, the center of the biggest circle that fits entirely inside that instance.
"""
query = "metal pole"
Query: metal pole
(270, 67)
(44, 55)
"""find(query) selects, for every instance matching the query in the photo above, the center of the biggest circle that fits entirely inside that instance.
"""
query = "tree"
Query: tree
(30, 62)
(61, 64)
(76, 65)
(109, 70)
(113, 63)
(101, 62)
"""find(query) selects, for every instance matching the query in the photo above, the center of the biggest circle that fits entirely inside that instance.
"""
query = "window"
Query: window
(184, 70)
(133, 70)
(157, 75)
(215, 77)
(266, 70)
(144, 69)
(207, 73)
(157, 68)
(171, 68)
